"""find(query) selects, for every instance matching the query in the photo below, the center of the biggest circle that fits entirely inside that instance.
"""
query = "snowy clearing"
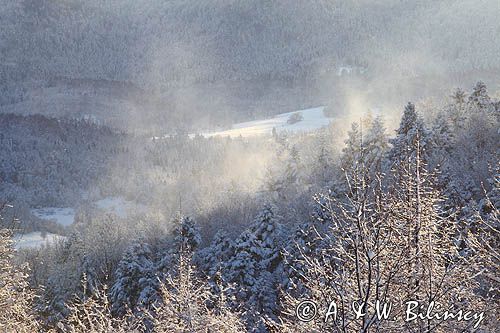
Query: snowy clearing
(66, 216)
(312, 119)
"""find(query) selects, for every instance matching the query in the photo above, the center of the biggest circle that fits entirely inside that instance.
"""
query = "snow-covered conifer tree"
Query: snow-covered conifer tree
(479, 96)
(89, 276)
(212, 258)
(187, 235)
(403, 152)
(256, 258)
(136, 280)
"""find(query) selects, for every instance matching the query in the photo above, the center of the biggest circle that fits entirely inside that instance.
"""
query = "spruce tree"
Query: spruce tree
(252, 267)
(212, 258)
(403, 152)
(187, 235)
(479, 96)
(136, 280)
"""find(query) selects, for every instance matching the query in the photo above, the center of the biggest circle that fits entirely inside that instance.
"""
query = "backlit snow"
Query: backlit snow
(312, 119)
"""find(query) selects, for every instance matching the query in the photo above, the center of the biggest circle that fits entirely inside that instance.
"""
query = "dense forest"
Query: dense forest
(157, 42)
(172, 64)
(410, 214)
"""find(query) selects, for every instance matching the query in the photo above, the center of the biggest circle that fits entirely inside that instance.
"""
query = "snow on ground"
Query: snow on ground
(66, 216)
(34, 239)
(63, 216)
(312, 119)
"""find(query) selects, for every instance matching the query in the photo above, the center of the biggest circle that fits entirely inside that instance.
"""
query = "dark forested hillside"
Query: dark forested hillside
(239, 39)
(228, 60)
(48, 161)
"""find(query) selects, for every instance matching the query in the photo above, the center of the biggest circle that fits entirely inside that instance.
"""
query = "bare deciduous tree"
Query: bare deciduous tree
(390, 245)
(16, 298)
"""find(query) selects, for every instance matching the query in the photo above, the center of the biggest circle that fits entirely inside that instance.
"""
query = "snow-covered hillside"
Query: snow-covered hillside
(312, 119)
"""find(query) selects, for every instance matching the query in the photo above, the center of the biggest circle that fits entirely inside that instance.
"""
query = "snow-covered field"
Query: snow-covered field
(34, 239)
(311, 119)
(62, 216)
(66, 216)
